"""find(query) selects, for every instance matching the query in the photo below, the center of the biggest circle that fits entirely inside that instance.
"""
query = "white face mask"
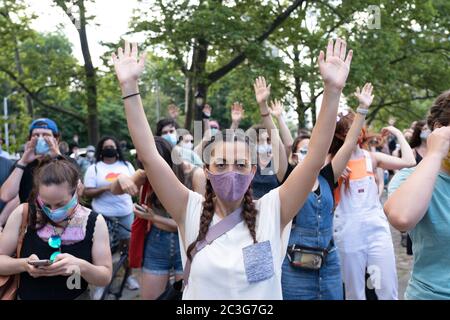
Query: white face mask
(187, 145)
(424, 134)
(90, 154)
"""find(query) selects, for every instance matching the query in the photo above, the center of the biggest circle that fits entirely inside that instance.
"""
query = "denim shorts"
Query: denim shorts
(162, 253)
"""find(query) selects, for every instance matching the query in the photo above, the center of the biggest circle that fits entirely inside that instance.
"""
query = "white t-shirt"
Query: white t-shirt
(217, 271)
(107, 203)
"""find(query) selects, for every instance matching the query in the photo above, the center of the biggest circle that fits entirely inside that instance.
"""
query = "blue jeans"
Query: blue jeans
(322, 284)
(162, 253)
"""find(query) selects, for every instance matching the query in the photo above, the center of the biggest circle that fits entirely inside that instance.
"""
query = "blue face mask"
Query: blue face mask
(171, 137)
(214, 131)
(59, 214)
(41, 146)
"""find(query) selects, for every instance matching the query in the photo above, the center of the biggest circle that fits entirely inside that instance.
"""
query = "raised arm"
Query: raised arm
(388, 162)
(341, 158)
(334, 70)
(170, 191)
(409, 203)
(276, 110)
(198, 149)
(262, 93)
(237, 113)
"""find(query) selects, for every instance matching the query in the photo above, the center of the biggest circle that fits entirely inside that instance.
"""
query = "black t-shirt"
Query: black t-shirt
(326, 172)
(26, 184)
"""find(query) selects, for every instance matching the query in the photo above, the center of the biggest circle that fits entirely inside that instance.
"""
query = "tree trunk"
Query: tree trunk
(197, 82)
(91, 79)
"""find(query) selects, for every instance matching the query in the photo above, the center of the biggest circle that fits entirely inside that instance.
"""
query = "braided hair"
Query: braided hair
(248, 207)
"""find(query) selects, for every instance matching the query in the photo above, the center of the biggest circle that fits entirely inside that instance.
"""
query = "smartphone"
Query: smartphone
(140, 208)
(40, 263)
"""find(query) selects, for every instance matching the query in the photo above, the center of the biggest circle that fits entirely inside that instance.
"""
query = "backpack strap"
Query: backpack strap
(22, 230)
(214, 232)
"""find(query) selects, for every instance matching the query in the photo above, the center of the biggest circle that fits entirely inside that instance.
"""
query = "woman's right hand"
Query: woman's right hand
(127, 65)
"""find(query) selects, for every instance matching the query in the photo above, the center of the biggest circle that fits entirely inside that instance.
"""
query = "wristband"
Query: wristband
(131, 95)
(17, 165)
(362, 111)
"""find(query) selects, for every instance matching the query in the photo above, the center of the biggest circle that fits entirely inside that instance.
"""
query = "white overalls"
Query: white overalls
(362, 235)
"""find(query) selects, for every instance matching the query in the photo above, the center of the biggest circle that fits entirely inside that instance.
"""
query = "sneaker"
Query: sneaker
(132, 283)
(98, 292)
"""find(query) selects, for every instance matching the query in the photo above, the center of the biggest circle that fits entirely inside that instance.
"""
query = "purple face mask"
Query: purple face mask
(230, 186)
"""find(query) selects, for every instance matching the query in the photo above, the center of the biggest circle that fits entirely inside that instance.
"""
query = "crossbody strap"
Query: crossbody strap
(214, 232)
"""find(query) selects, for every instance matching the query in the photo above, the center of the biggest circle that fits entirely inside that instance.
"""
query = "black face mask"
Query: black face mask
(109, 153)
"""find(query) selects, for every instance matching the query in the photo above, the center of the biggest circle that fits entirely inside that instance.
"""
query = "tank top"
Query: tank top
(264, 181)
(54, 288)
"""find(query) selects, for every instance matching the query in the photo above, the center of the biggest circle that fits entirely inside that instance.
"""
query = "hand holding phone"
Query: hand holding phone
(144, 213)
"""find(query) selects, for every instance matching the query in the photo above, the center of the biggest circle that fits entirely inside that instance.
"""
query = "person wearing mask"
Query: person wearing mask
(254, 231)
(361, 230)
(312, 229)
(73, 239)
(42, 140)
(185, 148)
(299, 149)
(117, 209)
(88, 160)
(426, 219)
(162, 251)
(272, 157)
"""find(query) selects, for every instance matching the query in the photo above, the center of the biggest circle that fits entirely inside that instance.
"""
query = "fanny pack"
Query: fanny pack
(310, 258)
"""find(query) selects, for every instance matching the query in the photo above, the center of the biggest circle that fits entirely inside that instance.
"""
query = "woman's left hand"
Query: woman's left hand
(64, 265)
(147, 215)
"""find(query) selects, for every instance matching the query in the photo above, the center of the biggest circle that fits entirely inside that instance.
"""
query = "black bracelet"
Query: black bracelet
(131, 95)
(17, 165)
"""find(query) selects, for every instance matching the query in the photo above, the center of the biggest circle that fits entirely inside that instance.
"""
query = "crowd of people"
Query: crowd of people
(254, 214)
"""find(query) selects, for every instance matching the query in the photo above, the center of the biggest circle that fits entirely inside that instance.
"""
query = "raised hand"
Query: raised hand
(391, 130)
(364, 96)
(438, 143)
(262, 90)
(207, 110)
(173, 111)
(29, 154)
(335, 66)
(126, 63)
(276, 108)
(53, 146)
(237, 112)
